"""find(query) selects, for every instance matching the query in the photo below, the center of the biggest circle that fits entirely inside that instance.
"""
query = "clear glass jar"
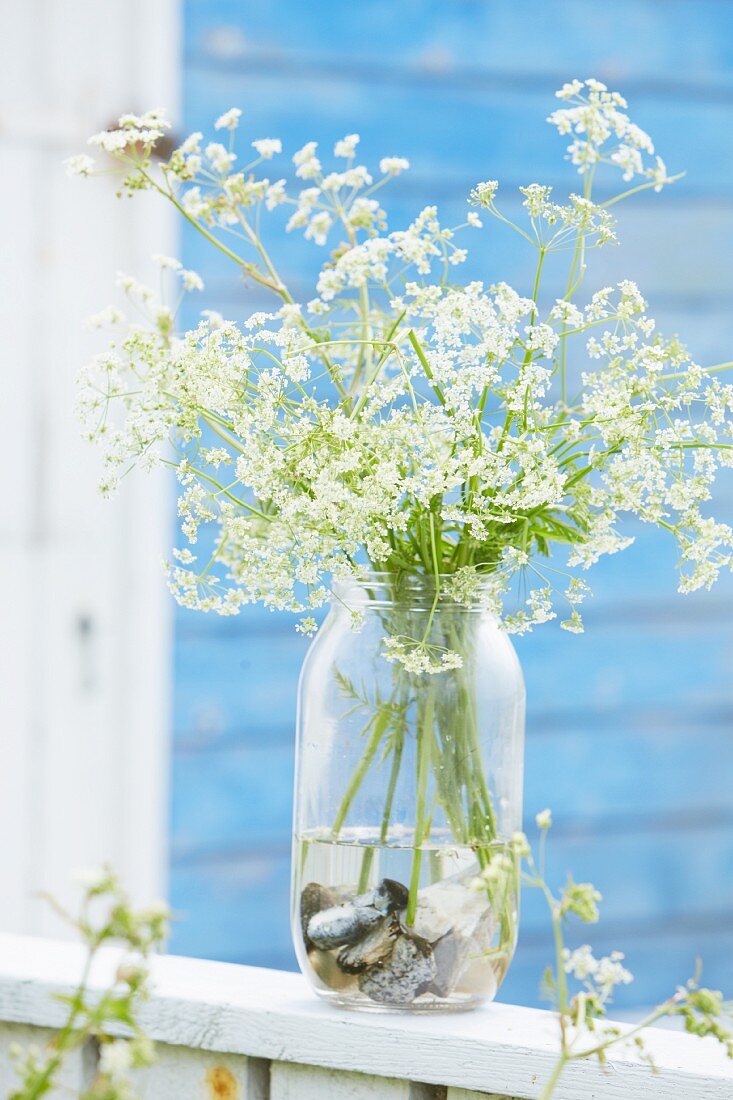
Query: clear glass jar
(408, 786)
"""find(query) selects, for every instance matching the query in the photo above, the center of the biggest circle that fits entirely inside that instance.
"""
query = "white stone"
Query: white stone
(449, 906)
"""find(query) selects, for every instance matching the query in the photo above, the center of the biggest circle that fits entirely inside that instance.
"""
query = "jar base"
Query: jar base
(456, 1002)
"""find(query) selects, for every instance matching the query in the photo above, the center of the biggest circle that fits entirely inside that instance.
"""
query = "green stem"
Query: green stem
(425, 366)
(717, 367)
(572, 285)
(636, 190)
(536, 287)
(63, 1040)
(250, 268)
(381, 723)
(387, 346)
(480, 810)
(422, 828)
(648, 1021)
(562, 981)
(552, 1081)
(366, 864)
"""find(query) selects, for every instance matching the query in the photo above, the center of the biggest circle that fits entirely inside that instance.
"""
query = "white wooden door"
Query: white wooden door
(84, 618)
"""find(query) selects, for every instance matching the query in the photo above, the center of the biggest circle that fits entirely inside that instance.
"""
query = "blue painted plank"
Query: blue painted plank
(632, 40)
(645, 776)
(660, 960)
(236, 911)
(631, 772)
(232, 798)
(246, 688)
(644, 874)
(672, 665)
(474, 133)
(227, 687)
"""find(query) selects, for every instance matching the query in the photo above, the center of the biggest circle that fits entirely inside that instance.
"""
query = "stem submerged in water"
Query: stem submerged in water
(366, 863)
(448, 768)
(422, 822)
(380, 724)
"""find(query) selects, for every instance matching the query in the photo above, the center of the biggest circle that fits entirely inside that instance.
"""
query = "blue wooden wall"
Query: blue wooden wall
(630, 727)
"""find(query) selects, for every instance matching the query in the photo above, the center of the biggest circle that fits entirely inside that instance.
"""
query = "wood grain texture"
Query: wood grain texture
(462, 1094)
(632, 40)
(298, 1082)
(180, 1073)
(450, 134)
(231, 1010)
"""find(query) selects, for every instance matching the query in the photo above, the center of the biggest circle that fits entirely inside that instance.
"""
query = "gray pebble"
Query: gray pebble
(406, 972)
(371, 949)
(313, 899)
(390, 895)
(340, 925)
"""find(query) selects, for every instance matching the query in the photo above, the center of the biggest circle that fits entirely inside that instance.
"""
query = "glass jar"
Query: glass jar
(408, 789)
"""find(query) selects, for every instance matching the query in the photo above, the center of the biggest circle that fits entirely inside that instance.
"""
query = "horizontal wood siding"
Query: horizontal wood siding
(630, 728)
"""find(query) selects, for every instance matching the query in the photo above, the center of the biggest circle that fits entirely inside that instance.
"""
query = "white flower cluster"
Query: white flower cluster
(601, 976)
(133, 130)
(219, 193)
(602, 131)
(420, 656)
(398, 421)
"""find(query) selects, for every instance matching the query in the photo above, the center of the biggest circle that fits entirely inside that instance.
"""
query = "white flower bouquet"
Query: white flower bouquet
(479, 442)
(399, 419)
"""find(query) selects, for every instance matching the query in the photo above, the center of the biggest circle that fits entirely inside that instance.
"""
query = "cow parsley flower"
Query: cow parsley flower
(80, 165)
(220, 159)
(396, 418)
(483, 193)
(267, 147)
(115, 1059)
(105, 318)
(307, 164)
(346, 147)
(229, 120)
(169, 263)
(419, 656)
(603, 132)
(191, 280)
(393, 166)
(133, 131)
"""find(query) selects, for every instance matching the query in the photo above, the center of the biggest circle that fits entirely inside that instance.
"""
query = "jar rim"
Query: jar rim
(375, 588)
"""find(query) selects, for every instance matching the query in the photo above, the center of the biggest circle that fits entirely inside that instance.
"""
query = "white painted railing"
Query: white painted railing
(239, 1033)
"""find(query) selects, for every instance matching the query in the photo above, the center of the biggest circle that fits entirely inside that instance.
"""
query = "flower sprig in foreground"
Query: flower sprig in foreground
(105, 916)
(494, 439)
(584, 1033)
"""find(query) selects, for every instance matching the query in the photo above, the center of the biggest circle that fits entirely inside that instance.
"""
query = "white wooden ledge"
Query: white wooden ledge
(240, 1033)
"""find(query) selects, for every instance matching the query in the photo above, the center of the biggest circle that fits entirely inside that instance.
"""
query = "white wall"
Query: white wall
(84, 614)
